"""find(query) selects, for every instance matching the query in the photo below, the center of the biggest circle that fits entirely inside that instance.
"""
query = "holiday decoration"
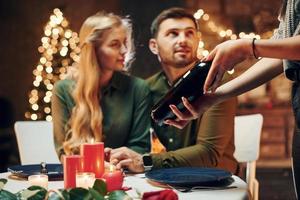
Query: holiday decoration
(59, 49)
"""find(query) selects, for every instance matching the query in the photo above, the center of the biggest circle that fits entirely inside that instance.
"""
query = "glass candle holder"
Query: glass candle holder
(85, 179)
(39, 180)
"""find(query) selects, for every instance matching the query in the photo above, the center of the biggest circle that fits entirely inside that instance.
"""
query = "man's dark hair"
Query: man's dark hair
(171, 13)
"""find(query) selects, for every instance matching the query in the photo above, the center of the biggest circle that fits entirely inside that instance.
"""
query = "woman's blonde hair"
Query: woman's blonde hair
(86, 120)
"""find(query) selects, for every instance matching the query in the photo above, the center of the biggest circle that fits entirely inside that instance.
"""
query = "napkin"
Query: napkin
(160, 195)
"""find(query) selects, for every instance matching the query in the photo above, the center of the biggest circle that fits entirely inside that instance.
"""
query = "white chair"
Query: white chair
(247, 130)
(35, 141)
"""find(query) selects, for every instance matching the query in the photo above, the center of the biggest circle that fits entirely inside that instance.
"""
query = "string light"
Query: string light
(49, 118)
(34, 116)
(218, 30)
(47, 110)
(59, 49)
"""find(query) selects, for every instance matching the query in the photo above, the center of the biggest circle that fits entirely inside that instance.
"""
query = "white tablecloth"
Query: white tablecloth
(139, 183)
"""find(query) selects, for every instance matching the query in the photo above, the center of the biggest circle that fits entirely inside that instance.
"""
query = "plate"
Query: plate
(190, 176)
(55, 171)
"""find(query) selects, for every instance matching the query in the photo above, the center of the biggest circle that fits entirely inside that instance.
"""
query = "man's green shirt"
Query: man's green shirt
(205, 142)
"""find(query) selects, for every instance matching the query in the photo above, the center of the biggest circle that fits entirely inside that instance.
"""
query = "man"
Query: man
(205, 142)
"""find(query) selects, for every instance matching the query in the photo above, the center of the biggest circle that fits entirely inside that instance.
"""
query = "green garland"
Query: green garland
(97, 192)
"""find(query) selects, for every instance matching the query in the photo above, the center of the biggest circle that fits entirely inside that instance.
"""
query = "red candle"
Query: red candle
(114, 179)
(93, 158)
(72, 164)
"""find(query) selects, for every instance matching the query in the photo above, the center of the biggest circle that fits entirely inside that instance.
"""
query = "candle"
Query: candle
(93, 158)
(39, 180)
(114, 179)
(85, 179)
(72, 164)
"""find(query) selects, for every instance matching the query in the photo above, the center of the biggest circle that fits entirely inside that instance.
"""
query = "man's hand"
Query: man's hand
(182, 118)
(193, 111)
(124, 157)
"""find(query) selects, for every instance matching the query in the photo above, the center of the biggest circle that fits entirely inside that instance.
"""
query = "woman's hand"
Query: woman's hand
(224, 57)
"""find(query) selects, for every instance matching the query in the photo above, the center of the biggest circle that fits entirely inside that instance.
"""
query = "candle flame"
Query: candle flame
(92, 141)
(156, 145)
(111, 168)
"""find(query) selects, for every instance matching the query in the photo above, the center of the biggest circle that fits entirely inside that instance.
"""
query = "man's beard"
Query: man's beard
(176, 61)
(183, 62)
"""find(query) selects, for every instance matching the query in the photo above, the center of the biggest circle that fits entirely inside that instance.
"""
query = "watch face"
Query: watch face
(147, 160)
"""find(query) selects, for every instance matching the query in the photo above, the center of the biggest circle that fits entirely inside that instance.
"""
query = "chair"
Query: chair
(247, 130)
(35, 141)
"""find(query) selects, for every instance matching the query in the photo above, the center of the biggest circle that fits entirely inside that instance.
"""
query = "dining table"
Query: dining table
(139, 184)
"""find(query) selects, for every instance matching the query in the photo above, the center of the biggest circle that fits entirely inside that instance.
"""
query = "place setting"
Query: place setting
(53, 171)
(188, 179)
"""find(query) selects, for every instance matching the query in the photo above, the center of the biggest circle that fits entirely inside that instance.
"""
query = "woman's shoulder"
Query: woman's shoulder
(64, 85)
(134, 81)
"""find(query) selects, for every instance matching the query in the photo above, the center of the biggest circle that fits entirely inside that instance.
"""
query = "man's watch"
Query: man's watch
(147, 162)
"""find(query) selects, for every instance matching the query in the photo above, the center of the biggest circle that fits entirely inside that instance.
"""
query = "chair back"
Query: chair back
(35, 142)
(247, 131)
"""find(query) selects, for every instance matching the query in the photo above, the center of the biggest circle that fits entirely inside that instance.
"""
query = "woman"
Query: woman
(102, 103)
(282, 50)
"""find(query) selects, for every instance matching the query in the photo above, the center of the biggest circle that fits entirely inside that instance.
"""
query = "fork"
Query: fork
(190, 189)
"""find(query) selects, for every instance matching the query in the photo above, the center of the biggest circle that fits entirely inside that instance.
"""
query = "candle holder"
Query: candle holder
(39, 180)
(85, 179)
